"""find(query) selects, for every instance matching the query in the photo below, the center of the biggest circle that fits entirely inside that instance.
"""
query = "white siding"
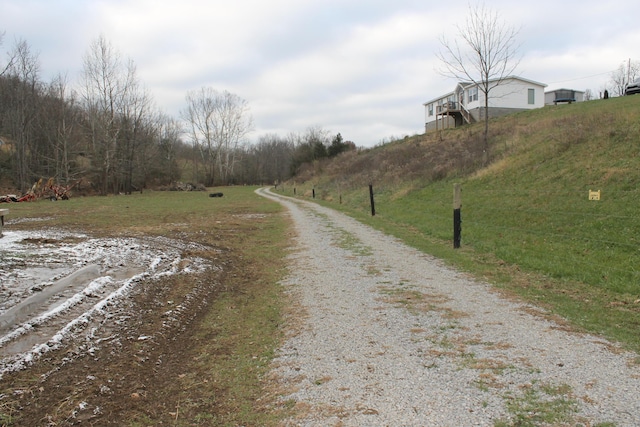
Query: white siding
(434, 104)
(515, 94)
(549, 97)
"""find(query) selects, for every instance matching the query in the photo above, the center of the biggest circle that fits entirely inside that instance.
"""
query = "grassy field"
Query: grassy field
(231, 346)
(528, 225)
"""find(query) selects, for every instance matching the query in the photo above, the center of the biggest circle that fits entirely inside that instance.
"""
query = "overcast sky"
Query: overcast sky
(361, 68)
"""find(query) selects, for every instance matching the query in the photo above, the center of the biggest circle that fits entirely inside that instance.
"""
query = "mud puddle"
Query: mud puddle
(54, 286)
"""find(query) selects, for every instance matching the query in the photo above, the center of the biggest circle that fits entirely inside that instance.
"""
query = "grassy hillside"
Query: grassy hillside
(528, 223)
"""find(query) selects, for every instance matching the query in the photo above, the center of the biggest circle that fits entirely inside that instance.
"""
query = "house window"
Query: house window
(472, 94)
(532, 96)
(430, 109)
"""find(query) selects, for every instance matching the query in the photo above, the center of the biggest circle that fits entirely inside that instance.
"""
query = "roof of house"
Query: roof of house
(561, 89)
(448, 94)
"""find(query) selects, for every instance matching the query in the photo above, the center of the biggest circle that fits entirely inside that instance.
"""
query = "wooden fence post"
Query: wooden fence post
(457, 219)
(373, 206)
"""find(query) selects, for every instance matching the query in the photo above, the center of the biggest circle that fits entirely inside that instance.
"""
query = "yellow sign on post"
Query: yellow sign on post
(594, 195)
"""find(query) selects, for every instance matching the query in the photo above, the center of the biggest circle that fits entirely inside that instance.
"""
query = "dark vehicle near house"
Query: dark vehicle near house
(633, 87)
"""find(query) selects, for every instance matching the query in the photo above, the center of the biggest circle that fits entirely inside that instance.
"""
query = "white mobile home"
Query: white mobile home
(465, 104)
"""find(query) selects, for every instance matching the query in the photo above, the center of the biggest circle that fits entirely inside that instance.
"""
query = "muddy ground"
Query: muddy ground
(98, 331)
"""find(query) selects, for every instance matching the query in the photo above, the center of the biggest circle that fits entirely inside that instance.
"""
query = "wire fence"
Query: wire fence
(569, 236)
(561, 234)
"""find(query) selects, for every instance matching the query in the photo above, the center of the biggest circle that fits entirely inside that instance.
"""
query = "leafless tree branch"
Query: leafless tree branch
(218, 122)
(484, 53)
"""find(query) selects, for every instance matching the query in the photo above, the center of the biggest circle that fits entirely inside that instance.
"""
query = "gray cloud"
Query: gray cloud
(362, 68)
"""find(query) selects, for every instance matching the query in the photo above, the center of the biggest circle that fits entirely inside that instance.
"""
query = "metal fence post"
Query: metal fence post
(373, 206)
(457, 219)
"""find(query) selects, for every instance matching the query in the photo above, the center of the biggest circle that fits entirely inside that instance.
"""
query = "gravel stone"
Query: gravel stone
(390, 336)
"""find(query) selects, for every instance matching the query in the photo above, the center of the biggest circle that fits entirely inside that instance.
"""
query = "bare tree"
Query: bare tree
(137, 130)
(61, 127)
(588, 95)
(10, 60)
(272, 158)
(105, 82)
(235, 122)
(22, 95)
(218, 124)
(168, 143)
(199, 115)
(627, 72)
(485, 54)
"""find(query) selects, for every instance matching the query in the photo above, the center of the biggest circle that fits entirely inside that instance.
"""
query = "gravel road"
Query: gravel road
(389, 336)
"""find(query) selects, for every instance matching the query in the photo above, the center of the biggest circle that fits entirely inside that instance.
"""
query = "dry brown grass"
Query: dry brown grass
(489, 380)
(416, 301)
(306, 411)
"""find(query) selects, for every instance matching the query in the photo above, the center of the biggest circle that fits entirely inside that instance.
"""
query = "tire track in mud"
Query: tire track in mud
(52, 313)
(124, 360)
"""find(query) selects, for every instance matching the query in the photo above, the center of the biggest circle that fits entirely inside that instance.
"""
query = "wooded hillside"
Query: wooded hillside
(104, 134)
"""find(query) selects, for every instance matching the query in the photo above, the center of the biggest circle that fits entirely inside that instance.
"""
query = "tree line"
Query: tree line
(107, 133)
